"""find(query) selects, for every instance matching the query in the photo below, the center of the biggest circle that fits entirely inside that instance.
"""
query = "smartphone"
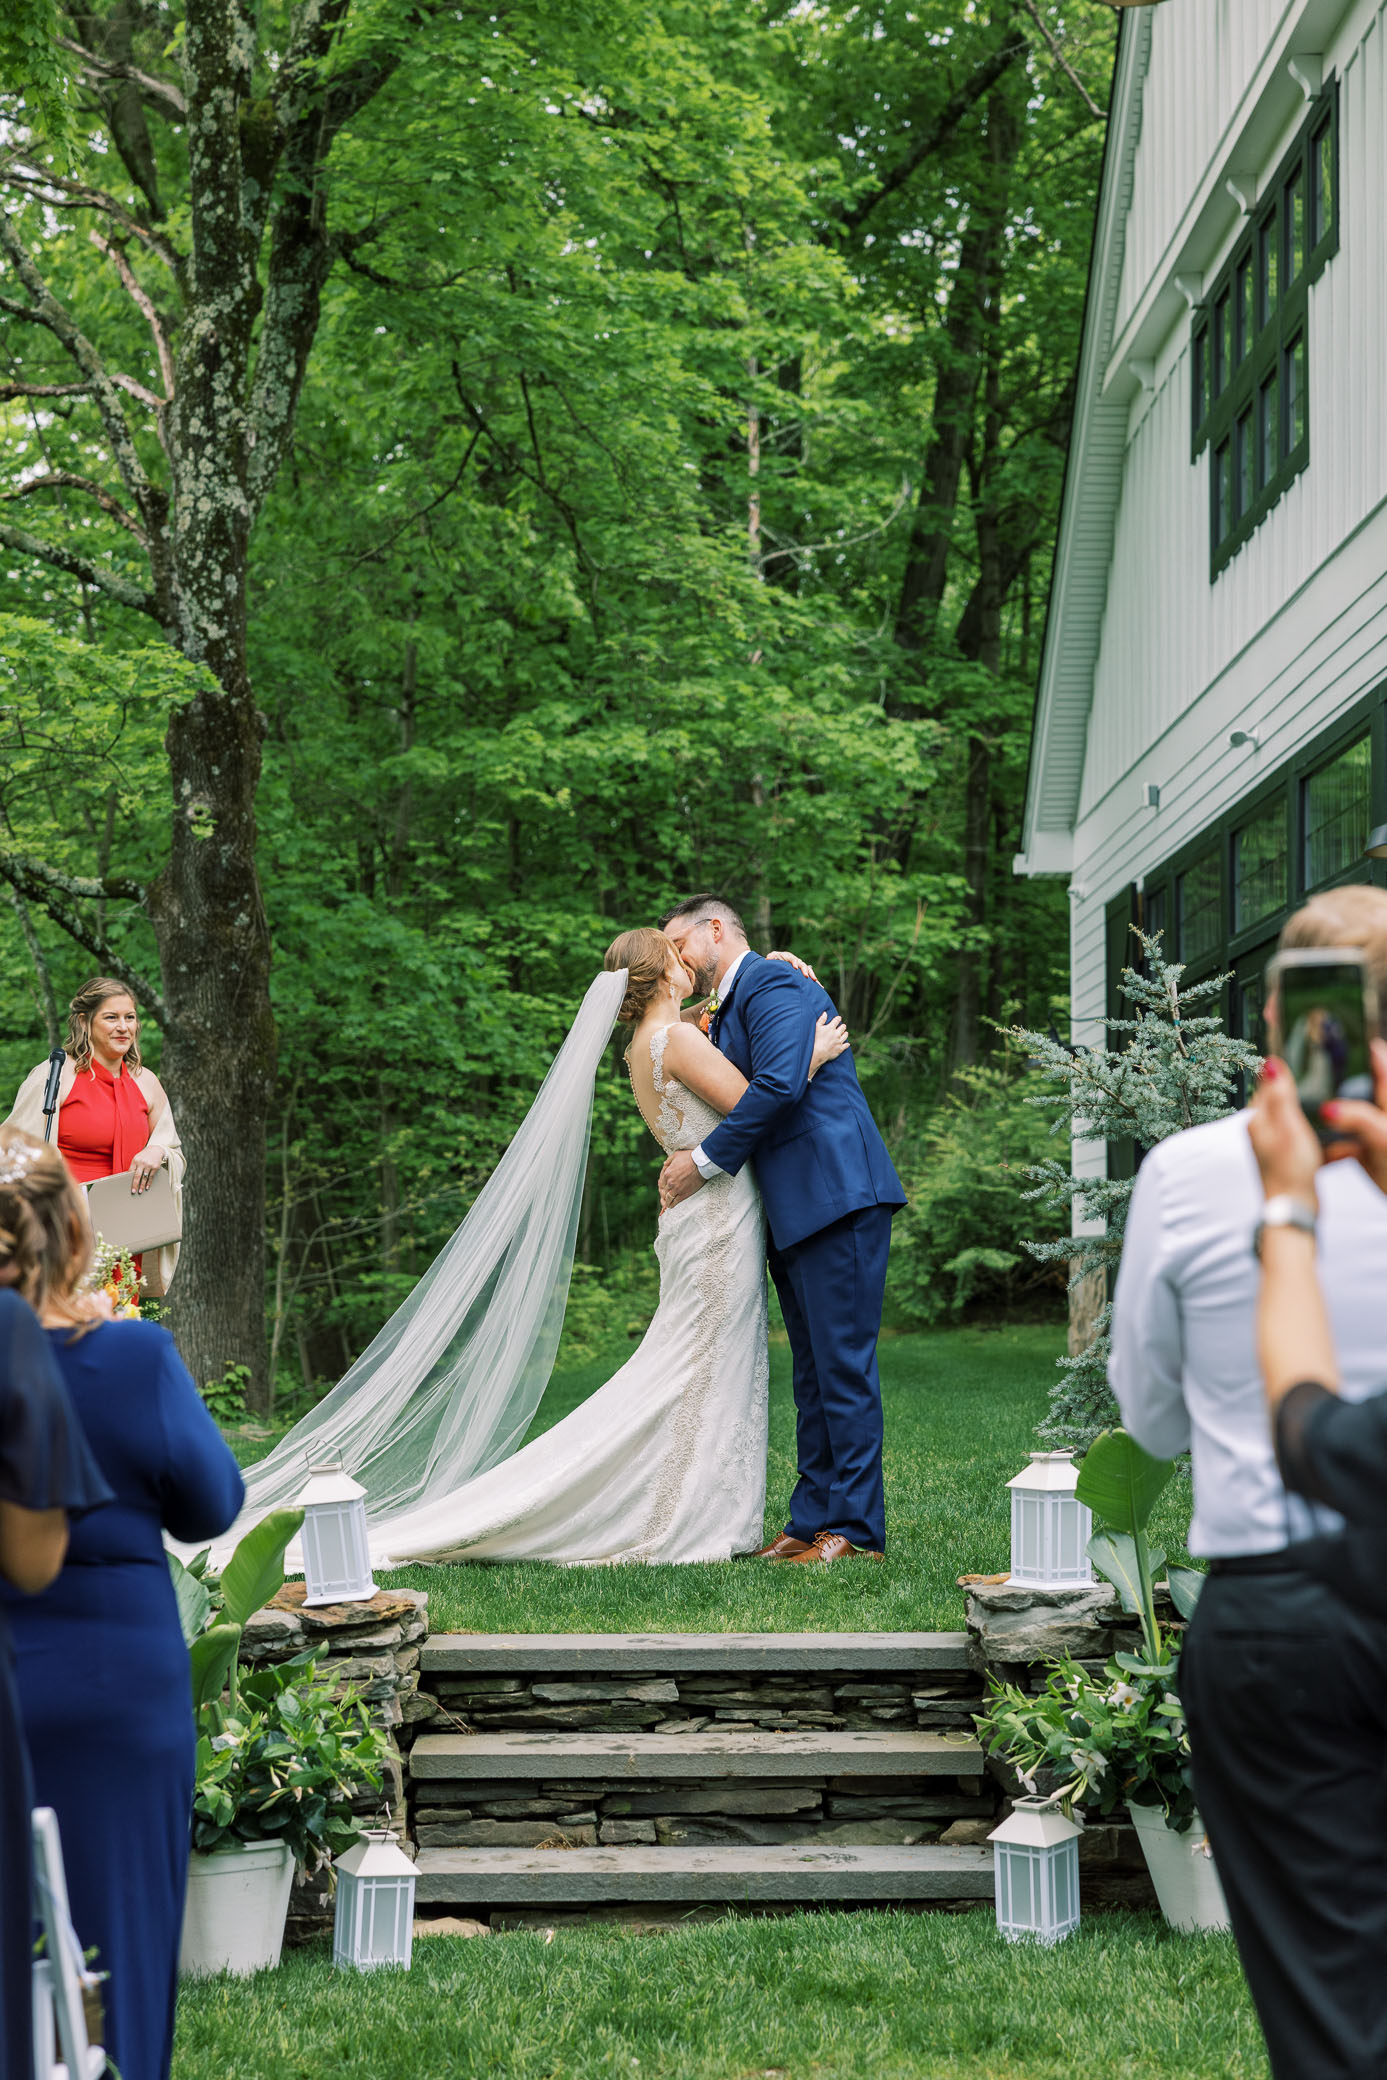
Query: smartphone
(1326, 1011)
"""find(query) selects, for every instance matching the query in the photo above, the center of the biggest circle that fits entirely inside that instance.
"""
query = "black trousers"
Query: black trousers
(1285, 1691)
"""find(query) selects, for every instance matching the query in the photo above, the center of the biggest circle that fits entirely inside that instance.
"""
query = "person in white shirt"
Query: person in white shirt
(1284, 1686)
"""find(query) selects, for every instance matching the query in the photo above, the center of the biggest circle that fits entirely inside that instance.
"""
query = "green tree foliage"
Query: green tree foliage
(1173, 1067)
(961, 1243)
(669, 504)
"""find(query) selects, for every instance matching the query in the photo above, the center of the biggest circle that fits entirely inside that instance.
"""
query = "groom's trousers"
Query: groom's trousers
(1285, 1689)
(831, 1287)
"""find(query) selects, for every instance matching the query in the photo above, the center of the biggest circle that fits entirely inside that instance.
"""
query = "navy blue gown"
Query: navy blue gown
(103, 1672)
(44, 1464)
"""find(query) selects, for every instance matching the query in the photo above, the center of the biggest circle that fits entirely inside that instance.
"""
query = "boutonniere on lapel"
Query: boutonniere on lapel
(709, 1013)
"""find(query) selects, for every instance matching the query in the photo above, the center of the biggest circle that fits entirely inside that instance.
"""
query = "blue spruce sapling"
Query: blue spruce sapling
(1172, 1067)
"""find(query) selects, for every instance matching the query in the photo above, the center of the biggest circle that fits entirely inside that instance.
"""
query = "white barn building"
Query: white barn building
(1211, 724)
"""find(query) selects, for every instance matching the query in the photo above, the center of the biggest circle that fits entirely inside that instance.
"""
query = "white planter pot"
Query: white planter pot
(238, 1899)
(1182, 1870)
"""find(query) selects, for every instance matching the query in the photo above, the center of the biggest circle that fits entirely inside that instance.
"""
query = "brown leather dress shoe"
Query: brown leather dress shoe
(782, 1548)
(831, 1545)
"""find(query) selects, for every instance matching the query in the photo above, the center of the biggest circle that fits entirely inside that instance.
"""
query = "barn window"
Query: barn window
(1251, 351)
(1199, 907)
(1336, 803)
(1260, 862)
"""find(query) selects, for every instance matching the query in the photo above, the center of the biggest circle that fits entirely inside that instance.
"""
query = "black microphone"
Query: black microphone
(50, 1090)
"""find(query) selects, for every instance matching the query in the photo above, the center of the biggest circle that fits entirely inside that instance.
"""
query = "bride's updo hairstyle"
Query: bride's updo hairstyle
(647, 956)
(44, 1244)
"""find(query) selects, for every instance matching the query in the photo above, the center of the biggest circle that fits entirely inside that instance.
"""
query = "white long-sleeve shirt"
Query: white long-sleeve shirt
(1184, 1344)
(704, 1164)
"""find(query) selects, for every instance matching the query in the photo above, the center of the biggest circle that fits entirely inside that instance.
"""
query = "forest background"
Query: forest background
(470, 476)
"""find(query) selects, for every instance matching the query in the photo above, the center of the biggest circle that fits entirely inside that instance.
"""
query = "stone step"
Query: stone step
(619, 1757)
(695, 1653)
(795, 1873)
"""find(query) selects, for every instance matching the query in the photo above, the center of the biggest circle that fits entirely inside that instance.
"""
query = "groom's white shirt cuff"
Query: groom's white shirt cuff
(704, 1165)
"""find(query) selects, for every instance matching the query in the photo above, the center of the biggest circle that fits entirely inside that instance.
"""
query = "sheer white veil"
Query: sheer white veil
(449, 1385)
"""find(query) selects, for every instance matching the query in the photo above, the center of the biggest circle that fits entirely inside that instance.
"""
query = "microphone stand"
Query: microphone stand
(56, 1061)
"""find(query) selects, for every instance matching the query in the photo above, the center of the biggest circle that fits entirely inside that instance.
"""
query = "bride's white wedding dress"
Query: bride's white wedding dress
(667, 1461)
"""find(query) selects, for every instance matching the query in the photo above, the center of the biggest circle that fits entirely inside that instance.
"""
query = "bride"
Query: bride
(667, 1460)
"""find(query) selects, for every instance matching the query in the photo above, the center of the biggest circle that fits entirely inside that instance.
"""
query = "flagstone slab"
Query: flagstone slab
(617, 1757)
(694, 1653)
(637, 1875)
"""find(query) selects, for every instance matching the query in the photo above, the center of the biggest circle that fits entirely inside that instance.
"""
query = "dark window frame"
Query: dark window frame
(1243, 954)
(1279, 337)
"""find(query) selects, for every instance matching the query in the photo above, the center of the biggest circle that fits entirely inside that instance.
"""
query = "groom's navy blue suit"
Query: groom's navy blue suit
(829, 1191)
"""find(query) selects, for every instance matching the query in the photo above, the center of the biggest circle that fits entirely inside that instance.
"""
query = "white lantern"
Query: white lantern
(374, 1921)
(1050, 1528)
(1036, 1873)
(336, 1546)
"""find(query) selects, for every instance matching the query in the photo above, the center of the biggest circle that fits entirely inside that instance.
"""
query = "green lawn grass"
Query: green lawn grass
(961, 1407)
(809, 1997)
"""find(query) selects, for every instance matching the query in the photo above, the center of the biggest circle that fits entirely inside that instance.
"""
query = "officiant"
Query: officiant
(106, 1111)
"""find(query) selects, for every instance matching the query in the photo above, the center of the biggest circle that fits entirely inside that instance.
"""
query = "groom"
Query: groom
(829, 1192)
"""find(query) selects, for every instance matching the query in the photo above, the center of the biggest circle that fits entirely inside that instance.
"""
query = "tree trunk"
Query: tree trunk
(256, 167)
(219, 1050)
(1087, 1300)
(980, 633)
(977, 804)
(971, 310)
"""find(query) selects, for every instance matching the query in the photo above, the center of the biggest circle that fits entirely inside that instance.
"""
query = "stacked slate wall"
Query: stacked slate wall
(1015, 1630)
(372, 1648)
(588, 1812)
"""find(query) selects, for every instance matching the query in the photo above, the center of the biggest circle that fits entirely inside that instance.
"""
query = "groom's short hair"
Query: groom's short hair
(701, 907)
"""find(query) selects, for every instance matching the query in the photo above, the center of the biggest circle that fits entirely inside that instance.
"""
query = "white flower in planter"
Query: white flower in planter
(1120, 1694)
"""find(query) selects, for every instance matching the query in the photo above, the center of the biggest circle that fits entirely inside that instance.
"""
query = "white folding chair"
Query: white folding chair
(60, 1976)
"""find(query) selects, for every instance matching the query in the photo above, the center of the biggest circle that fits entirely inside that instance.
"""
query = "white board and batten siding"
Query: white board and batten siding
(1150, 665)
(1204, 56)
(1294, 629)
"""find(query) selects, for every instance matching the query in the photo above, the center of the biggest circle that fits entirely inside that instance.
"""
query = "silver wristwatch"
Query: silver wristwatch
(1284, 1210)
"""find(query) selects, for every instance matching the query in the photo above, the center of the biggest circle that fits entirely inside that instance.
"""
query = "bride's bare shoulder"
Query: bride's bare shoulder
(684, 1043)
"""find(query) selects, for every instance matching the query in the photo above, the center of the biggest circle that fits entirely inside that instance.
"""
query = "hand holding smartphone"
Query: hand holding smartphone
(1325, 1013)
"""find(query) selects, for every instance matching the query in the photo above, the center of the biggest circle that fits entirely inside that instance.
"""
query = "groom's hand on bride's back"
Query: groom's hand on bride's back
(679, 1180)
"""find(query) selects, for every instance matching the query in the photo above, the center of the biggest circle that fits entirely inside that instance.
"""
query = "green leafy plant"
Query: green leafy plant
(1101, 1741)
(226, 1397)
(1121, 1738)
(281, 1755)
(1174, 1067)
(961, 1244)
(285, 1762)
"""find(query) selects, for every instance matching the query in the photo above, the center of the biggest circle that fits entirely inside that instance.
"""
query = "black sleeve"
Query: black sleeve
(1335, 1451)
(45, 1460)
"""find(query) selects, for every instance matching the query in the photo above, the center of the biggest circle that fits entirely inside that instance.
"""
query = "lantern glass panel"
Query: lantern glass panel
(1049, 1538)
(336, 1552)
(1037, 1891)
(374, 1922)
(1064, 1903)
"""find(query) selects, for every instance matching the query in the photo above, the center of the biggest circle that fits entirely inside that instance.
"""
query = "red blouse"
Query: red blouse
(103, 1123)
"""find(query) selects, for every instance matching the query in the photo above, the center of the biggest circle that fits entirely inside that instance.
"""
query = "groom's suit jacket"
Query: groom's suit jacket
(817, 1150)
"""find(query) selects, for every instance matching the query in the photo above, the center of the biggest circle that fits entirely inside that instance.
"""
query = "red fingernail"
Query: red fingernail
(1271, 1070)
(1330, 1110)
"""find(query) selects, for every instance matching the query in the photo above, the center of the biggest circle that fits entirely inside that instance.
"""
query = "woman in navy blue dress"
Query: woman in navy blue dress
(101, 1666)
(46, 1470)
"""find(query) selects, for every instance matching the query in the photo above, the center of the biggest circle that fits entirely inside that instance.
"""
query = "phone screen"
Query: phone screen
(1324, 1021)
